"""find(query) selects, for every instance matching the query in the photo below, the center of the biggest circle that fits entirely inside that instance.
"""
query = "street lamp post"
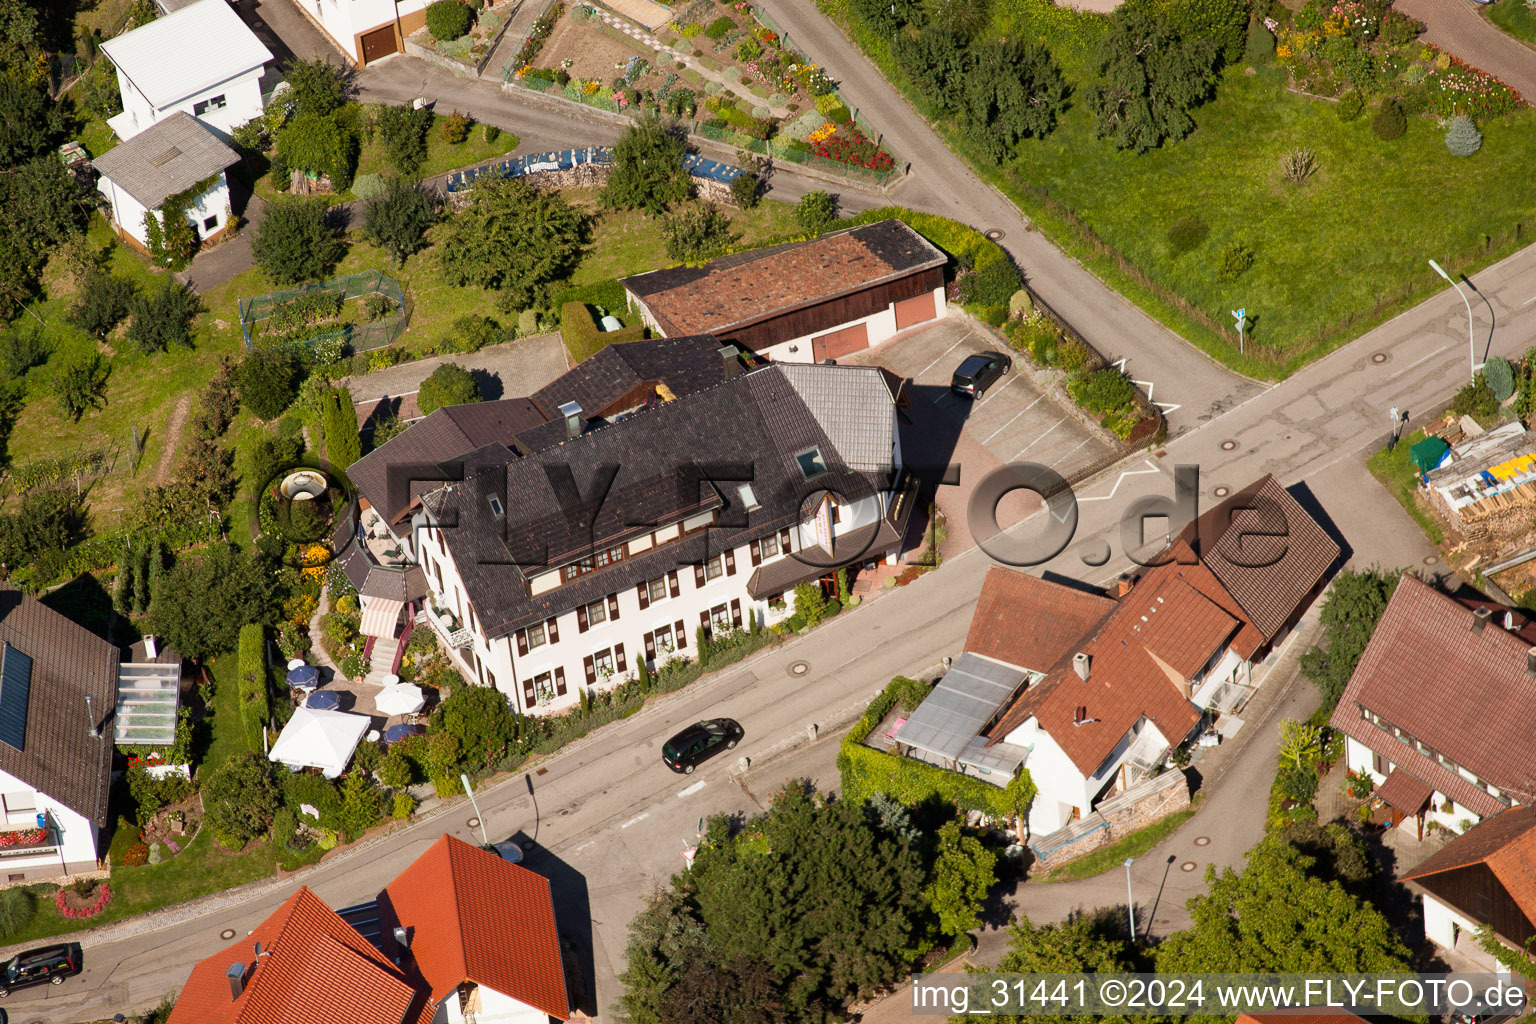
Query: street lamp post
(464, 778)
(1130, 901)
(1471, 335)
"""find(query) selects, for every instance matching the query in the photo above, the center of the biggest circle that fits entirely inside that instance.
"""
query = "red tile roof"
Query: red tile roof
(1405, 791)
(475, 917)
(1464, 694)
(1029, 622)
(1506, 843)
(314, 968)
(1266, 550)
(1141, 657)
(1308, 1015)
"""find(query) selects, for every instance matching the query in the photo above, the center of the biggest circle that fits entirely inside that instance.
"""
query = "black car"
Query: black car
(51, 964)
(699, 742)
(978, 372)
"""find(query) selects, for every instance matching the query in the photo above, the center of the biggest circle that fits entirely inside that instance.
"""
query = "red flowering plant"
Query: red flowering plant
(23, 837)
(850, 146)
(103, 897)
(1460, 88)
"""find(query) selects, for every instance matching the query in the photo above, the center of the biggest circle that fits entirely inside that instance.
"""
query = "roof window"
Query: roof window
(811, 463)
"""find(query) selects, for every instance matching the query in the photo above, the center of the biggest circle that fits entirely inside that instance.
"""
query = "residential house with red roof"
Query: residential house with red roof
(1484, 878)
(1090, 692)
(1432, 714)
(459, 935)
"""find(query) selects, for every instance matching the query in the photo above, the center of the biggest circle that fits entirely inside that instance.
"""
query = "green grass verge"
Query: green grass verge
(1106, 858)
(1334, 256)
(1515, 18)
(1395, 471)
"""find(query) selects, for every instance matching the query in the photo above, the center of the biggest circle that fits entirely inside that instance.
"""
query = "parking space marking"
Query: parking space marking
(583, 846)
(691, 789)
(992, 391)
(637, 819)
(1015, 416)
(1073, 449)
(946, 352)
(1037, 440)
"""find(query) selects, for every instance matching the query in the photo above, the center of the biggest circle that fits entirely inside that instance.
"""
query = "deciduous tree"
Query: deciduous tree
(1152, 78)
(240, 797)
(297, 240)
(397, 221)
(101, 303)
(162, 317)
(1354, 603)
(319, 86)
(696, 232)
(207, 598)
(1013, 91)
(449, 384)
(816, 211)
(512, 237)
(963, 873)
(79, 383)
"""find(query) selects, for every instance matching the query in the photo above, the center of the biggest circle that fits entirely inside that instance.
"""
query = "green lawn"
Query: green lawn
(1395, 471)
(1333, 256)
(225, 730)
(1106, 858)
(1515, 18)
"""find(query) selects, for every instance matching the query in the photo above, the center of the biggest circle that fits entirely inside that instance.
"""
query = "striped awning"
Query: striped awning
(380, 615)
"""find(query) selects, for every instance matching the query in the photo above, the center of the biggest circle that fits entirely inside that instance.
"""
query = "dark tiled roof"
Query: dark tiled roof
(1029, 622)
(1506, 843)
(1464, 694)
(618, 372)
(746, 287)
(755, 423)
(165, 158)
(780, 575)
(69, 663)
(1268, 575)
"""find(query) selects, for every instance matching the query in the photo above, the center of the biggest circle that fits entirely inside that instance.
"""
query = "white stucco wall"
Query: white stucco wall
(242, 101)
(881, 326)
(77, 834)
(128, 213)
(1060, 785)
(1360, 759)
(345, 20)
(494, 1006)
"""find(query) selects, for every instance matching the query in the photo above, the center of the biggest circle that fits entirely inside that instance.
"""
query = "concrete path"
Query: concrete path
(1458, 26)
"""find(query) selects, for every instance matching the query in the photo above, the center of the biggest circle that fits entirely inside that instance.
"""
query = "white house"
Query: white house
(722, 498)
(201, 59)
(802, 301)
(165, 160)
(459, 936)
(1414, 712)
(58, 686)
(1089, 692)
(366, 30)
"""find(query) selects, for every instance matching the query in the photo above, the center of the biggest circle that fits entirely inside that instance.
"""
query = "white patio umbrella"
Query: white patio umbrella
(400, 699)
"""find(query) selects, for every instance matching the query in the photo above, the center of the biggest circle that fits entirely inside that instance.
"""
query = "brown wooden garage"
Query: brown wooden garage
(379, 43)
(835, 344)
(919, 309)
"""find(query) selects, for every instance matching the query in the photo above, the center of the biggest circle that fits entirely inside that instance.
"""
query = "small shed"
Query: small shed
(162, 161)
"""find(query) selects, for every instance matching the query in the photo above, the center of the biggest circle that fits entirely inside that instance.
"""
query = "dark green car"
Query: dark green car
(699, 742)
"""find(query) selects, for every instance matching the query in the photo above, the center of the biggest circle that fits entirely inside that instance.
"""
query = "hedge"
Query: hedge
(583, 337)
(251, 664)
(866, 771)
(969, 249)
(338, 418)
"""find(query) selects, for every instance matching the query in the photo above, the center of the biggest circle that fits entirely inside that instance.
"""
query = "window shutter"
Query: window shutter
(681, 632)
(581, 619)
(645, 597)
(522, 641)
(736, 612)
(649, 640)
(757, 553)
(613, 607)
(591, 668)
(672, 583)
(1378, 763)
(698, 575)
(618, 658)
(704, 620)
(560, 681)
(528, 696)
(730, 561)
(554, 630)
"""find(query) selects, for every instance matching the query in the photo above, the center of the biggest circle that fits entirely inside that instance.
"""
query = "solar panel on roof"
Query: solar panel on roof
(15, 694)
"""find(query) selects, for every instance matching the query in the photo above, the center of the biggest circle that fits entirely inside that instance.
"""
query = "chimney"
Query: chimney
(1123, 585)
(1080, 663)
(1480, 619)
(151, 647)
(236, 976)
(1530, 662)
(402, 937)
(729, 362)
(572, 413)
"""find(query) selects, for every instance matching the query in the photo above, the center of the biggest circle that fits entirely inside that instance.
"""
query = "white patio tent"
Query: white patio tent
(319, 739)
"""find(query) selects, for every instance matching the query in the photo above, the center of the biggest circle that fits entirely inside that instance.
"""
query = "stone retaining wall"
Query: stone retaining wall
(1143, 804)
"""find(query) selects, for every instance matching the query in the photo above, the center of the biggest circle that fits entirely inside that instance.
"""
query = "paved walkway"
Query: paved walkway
(1460, 27)
(212, 267)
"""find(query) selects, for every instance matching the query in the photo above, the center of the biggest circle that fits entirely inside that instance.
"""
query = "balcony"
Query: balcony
(1146, 753)
(447, 626)
(27, 840)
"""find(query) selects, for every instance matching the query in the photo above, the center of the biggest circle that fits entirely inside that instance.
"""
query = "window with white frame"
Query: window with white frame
(544, 688)
(769, 545)
(720, 617)
(602, 663)
(536, 636)
(656, 590)
(714, 568)
(597, 612)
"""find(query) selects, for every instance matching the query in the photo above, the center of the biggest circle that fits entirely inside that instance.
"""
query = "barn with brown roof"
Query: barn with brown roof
(802, 301)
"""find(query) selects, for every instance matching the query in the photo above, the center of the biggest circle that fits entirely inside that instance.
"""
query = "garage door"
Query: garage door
(916, 310)
(840, 343)
(378, 43)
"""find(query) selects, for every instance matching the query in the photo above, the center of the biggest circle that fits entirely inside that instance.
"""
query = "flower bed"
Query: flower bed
(848, 145)
(23, 837)
(70, 905)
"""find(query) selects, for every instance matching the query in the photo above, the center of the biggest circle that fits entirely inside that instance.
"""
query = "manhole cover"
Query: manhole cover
(227, 934)
(1222, 492)
(1202, 840)
(994, 233)
(1379, 357)
(564, 811)
(1228, 446)
(1430, 559)
(1188, 865)
(473, 823)
(799, 668)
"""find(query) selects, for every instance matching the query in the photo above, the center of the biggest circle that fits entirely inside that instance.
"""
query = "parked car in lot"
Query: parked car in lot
(699, 742)
(50, 964)
(978, 372)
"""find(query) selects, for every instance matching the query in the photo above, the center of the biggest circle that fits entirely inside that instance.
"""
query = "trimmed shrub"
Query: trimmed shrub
(447, 19)
(1389, 123)
(1500, 376)
(255, 702)
(1260, 47)
(1236, 260)
(1102, 391)
(456, 128)
(1187, 235)
(719, 27)
(1462, 138)
(1351, 104)
(449, 384)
